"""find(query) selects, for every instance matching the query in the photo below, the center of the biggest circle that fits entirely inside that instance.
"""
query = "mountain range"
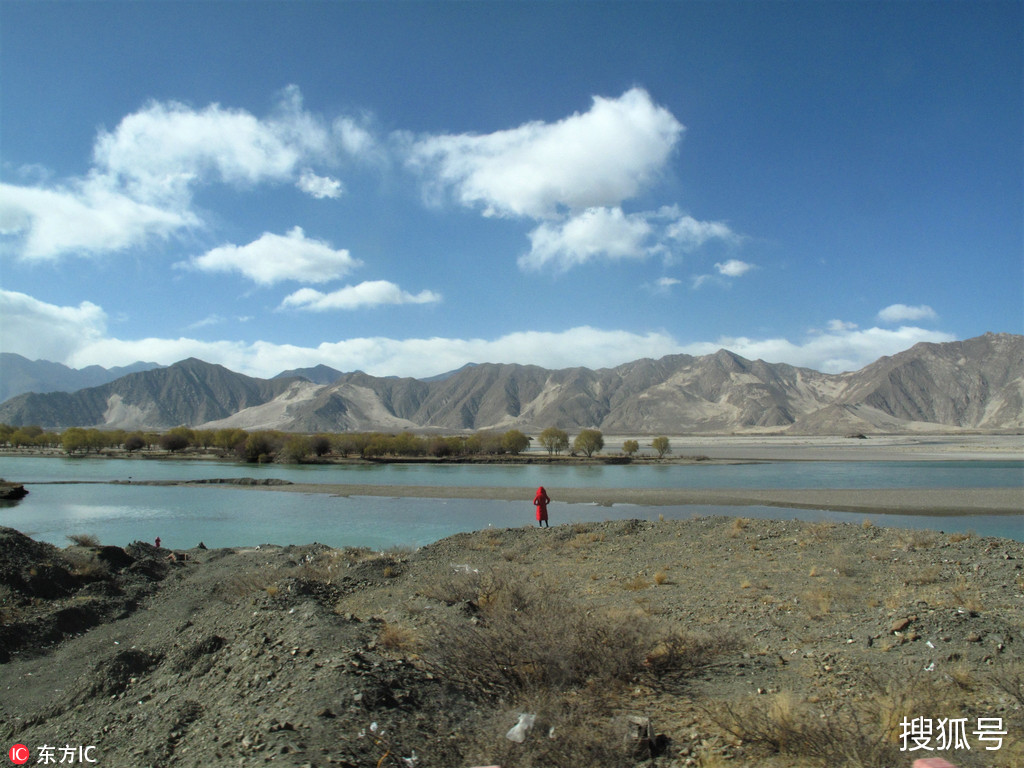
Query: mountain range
(976, 384)
(19, 374)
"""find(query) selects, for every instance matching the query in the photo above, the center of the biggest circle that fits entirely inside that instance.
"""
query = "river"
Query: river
(227, 516)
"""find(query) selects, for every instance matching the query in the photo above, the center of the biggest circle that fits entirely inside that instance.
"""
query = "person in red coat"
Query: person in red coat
(541, 501)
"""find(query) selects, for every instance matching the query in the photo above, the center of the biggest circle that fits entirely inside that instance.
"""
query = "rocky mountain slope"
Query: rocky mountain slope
(972, 384)
(189, 392)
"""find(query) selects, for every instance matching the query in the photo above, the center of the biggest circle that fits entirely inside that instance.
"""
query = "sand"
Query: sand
(904, 501)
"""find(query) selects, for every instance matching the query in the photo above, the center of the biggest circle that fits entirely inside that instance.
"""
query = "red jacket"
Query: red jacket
(541, 501)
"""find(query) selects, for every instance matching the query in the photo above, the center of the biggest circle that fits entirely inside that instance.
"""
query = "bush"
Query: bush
(134, 443)
(661, 445)
(588, 441)
(84, 539)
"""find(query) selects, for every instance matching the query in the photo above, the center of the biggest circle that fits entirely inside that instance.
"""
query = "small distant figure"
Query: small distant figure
(541, 501)
(201, 546)
(158, 542)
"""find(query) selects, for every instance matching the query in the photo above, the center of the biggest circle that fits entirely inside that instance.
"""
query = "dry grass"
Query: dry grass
(636, 584)
(817, 603)
(839, 729)
(523, 634)
(916, 540)
(398, 638)
(84, 539)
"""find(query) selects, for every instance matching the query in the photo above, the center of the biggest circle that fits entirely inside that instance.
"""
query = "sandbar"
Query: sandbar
(903, 501)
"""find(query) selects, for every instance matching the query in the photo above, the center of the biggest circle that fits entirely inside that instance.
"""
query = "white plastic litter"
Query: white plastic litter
(517, 732)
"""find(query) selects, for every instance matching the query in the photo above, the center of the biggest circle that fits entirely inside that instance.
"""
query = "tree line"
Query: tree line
(289, 447)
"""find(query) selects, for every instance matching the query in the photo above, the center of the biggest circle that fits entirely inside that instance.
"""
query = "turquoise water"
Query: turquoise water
(225, 516)
(795, 474)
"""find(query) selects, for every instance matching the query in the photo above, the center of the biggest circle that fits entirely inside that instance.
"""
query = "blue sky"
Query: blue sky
(403, 188)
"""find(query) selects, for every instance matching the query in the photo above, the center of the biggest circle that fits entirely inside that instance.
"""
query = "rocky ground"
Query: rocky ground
(708, 642)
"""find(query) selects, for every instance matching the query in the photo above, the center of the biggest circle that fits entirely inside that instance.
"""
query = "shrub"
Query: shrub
(528, 635)
(84, 539)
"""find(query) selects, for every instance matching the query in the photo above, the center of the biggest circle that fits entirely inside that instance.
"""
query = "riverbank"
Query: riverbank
(672, 644)
(686, 449)
(904, 501)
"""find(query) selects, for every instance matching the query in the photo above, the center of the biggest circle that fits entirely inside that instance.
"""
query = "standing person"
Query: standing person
(541, 501)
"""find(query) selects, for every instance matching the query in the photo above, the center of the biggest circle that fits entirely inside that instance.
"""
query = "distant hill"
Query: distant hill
(319, 374)
(19, 374)
(189, 392)
(974, 384)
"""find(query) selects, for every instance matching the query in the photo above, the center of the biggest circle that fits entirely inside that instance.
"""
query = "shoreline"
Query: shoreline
(686, 449)
(936, 502)
(902, 501)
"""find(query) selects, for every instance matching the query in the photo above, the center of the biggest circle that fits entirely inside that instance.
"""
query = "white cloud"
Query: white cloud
(90, 217)
(596, 233)
(842, 349)
(691, 234)
(665, 283)
(319, 186)
(41, 331)
(841, 326)
(585, 345)
(273, 258)
(205, 322)
(355, 138)
(163, 149)
(595, 159)
(733, 268)
(75, 335)
(899, 313)
(367, 294)
(145, 170)
(592, 347)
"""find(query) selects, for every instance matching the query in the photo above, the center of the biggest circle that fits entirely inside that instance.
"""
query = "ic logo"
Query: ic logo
(18, 754)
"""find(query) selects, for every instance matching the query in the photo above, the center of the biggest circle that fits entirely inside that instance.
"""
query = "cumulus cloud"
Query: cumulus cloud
(273, 258)
(367, 294)
(733, 268)
(39, 330)
(319, 186)
(611, 234)
(146, 169)
(159, 152)
(596, 233)
(85, 218)
(595, 159)
(900, 313)
(691, 234)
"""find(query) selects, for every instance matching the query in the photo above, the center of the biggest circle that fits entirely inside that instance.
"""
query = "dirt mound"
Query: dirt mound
(48, 594)
(630, 643)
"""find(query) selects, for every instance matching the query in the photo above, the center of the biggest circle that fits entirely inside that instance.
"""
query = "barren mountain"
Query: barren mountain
(972, 384)
(189, 392)
(19, 375)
